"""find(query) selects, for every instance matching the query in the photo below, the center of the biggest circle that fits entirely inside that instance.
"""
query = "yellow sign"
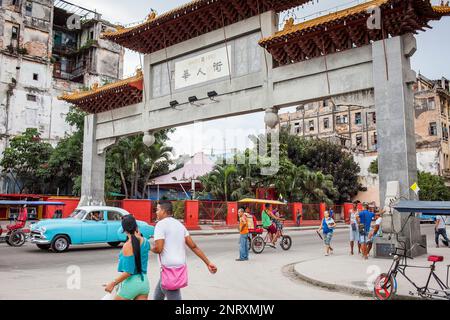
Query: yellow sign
(415, 188)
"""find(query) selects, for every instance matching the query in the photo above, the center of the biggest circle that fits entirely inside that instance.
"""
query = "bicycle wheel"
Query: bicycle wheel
(17, 239)
(384, 287)
(258, 244)
(286, 243)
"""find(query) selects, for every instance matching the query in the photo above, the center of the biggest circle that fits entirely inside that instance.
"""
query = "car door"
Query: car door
(114, 222)
(94, 227)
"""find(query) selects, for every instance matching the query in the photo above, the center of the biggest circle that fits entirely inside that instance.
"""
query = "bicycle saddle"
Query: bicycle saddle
(435, 258)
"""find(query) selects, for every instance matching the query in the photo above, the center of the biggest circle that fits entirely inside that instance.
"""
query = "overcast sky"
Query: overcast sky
(432, 60)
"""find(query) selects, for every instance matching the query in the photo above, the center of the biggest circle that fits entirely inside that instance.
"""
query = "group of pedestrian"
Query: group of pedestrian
(171, 238)
(365, 226)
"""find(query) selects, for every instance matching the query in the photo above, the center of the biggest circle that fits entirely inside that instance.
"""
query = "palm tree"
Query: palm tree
(219, 182)
(151, 157)
(314, 186)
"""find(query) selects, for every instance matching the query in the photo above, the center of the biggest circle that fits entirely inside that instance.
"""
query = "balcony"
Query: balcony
(36, 23)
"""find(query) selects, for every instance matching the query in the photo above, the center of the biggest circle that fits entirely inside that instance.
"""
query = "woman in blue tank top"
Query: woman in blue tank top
(133, 259)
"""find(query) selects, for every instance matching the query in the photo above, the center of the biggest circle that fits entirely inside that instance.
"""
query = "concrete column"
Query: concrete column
(93, 174)
(394, 101)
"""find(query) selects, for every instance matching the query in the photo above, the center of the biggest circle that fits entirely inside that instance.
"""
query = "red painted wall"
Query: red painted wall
(232, 213)
(140, 209)
(191, 209)
(71, 205)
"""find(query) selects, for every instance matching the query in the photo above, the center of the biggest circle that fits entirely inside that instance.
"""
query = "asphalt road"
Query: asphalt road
(30, 273)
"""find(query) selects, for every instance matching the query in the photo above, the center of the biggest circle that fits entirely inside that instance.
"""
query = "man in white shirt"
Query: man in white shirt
(171, 238)
(440, 230)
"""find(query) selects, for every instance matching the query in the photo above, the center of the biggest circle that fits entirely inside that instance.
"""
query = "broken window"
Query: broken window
(359, 140)
(374, 140)
(432, 129)
(15, 33)
(28, 8)
(311, 125)
(297, 127)
(31, 97)
(35, 76)
(358, 118)
(431, 104)
(342, 119)
(372, 117)
(326, 123)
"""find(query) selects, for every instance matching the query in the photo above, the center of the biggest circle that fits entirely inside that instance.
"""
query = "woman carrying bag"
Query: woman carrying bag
(171, 238)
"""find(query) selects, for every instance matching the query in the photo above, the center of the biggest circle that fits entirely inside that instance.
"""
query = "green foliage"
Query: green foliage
(328, 158)
(373, 168)
(178, 210)
(310, 171)
(131, 164)
(26, 160)
(432, 187)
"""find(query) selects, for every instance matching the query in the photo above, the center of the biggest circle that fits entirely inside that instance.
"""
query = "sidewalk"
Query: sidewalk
(350, 274)
(208, 230)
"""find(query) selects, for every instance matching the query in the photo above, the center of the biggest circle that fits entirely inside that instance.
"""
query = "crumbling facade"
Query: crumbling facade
(432, 114)
(45, 51)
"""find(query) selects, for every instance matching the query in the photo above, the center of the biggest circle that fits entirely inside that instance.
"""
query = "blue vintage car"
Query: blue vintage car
(86, 225)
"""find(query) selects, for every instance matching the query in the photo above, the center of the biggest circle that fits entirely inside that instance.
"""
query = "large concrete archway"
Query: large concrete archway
(325, 58)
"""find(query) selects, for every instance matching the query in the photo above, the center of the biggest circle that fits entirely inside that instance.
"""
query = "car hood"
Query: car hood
(51, 222)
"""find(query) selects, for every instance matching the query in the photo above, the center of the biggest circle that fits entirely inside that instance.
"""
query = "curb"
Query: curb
(290, 272)
(232, 231)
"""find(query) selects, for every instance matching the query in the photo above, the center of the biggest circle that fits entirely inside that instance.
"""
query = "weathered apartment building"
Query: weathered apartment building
(45, 52)
(354, 127)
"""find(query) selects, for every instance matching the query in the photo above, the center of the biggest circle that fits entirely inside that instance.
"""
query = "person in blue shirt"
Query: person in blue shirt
(327, 226)
(364, 219)
(133, 259)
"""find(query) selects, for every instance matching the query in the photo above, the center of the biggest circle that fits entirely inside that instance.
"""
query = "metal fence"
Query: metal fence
(212, 212)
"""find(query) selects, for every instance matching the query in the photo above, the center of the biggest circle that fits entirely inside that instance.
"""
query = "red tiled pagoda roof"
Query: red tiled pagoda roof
(191, 20)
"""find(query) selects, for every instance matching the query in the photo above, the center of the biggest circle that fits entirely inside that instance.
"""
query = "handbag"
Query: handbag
(353, 226)
(173, 278)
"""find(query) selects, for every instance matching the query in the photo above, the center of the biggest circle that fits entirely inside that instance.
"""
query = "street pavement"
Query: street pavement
(29, 273)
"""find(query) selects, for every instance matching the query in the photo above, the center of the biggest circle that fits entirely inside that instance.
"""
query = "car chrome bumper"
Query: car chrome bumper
(38, 238)
(40, 241)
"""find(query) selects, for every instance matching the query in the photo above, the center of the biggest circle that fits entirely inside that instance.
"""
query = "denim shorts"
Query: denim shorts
(327, 238)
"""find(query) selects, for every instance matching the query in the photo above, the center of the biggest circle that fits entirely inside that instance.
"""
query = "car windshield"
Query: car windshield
(78, 214)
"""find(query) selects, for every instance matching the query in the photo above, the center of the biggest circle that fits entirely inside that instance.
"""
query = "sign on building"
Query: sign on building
(204, 67)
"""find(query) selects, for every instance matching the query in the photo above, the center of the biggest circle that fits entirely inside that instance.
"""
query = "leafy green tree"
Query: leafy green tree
(26, 160)
(220, 181)
(373, 168)
(132, 164)
(326, 157)
(432, 187)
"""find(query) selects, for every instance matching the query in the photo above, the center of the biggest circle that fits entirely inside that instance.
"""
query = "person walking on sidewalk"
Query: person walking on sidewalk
(327, 226)
(133, 259)
(354, 234)
(364, 219)
(439, 230)
(243, 232)
(171, 239)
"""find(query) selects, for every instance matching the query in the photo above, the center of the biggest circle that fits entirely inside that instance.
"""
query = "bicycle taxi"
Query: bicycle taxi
(258, 242)
(386, 285)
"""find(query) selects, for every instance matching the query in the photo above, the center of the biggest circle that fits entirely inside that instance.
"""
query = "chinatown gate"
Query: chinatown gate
(211, 59)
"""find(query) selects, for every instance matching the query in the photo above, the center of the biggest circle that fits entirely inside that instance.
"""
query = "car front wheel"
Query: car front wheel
(60, 244)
